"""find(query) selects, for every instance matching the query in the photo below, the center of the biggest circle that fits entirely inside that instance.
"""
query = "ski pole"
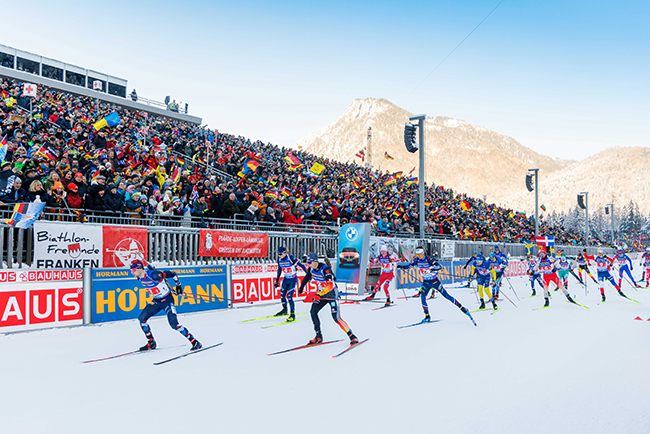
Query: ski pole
(512, 287)
(401, 287)
(508, 298)
(212, 298)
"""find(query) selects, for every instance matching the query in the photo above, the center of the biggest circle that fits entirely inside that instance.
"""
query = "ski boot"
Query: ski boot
(534, 293)
(482, 306)
(546, 302)
(464, 310)
(317, 340)
(282, 312)
(604, 299)
(427, 317)
(388, 302)
(151, 345)
(353, 339)
(495, 296)
(621, 293)
(370, 297)
(494, 304)
(568, 297)
(196, 345)
(292, 317)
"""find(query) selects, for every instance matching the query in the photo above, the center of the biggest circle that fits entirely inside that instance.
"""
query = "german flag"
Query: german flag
(388, 157)
(180, 161)
(427, 203)
(285, 191)
(390, 180)
(465, 205)
(356, 184)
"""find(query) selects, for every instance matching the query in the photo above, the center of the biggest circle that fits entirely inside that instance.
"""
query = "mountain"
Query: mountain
(481, 162)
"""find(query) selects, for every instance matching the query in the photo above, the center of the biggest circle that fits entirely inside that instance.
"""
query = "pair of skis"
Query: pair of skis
(319, 344)
(132, 353)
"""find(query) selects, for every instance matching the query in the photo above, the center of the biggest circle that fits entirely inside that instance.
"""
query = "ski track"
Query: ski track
(560, 370)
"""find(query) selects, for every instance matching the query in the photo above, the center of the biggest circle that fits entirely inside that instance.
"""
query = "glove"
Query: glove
(316, 297)
(417, 294)
(631, 267)
(179, 289)
(464, 267)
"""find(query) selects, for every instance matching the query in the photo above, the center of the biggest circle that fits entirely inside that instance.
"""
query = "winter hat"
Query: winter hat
(72, 186)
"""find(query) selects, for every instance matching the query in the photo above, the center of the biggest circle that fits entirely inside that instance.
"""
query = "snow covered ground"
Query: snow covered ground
(560, 370)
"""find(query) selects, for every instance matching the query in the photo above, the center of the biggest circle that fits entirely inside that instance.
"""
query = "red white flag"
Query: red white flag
(29, 89)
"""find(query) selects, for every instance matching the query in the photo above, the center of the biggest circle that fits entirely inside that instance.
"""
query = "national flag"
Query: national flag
(194, 195)
(356, 184)
(390, 180)
(361, 154)
(47, 152)
(285, 191)
(411, 181)
(316, 190)
(317, 169)
(399, 174)
(272, 194)
(427, 203)
(543, 208)
(180, 161)
(29, 89)
(412, 170)
(3, 149)
(176, 174)
(94, 175)
(443, 212)
(547, 242)
(109, 121)
(25, 214)
(529, 248)
(522, 213)
(465, 205)
(511, 215)
(397, 213)
(388, 157)
(293, 161)
(249, 167)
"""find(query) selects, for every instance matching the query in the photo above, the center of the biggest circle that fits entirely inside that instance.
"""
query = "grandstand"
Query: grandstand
(160, 168)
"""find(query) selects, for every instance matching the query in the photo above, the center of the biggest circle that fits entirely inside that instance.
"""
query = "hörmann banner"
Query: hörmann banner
(36, 299)
(116, 295)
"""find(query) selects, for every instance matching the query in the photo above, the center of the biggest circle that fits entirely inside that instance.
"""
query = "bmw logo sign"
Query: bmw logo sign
(351, 233)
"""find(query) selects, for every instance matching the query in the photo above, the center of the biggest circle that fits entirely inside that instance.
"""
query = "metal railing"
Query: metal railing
(212, 169)
(153, 103)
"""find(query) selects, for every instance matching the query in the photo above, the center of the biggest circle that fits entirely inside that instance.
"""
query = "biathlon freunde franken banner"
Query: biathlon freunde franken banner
(227, 244)
(36, 299)
(70, 245)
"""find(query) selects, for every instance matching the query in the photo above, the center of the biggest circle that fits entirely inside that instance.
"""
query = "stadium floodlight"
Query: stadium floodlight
(421, 177)
(581, 201)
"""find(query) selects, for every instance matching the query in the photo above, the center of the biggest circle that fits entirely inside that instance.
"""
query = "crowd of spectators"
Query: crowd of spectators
(148, 165)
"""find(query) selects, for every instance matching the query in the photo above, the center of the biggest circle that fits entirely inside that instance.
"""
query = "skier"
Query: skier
(327, 293)
(483, 274)
(644, 258)
(472, 272)
(429, 268)
(498, 264)
(564, 267)
(547, 267)
(532, 272)
(287, 265)
(583, 260)
(622, 259)
(603, 265)
(387, 267)
(156, 284)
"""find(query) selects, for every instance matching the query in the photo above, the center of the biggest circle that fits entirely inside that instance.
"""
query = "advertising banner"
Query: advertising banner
(352, 258)
(67, 245)
(76, 245)
(36, 299)
(116, 295)
(254, 283)
(121, 245)
(227, 244)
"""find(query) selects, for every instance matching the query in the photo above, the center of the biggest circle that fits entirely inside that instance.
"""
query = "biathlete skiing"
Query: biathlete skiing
(583, 260)
(326, 294)
(155, 282)
(534, 275)
(429, 268)
(483, 275)
(547, 267)
(623, 260)
(603, 265)
(287, 265)
(387, 273)
(472, 272)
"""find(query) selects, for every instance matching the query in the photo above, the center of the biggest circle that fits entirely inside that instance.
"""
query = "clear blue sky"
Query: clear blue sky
(565, 78)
